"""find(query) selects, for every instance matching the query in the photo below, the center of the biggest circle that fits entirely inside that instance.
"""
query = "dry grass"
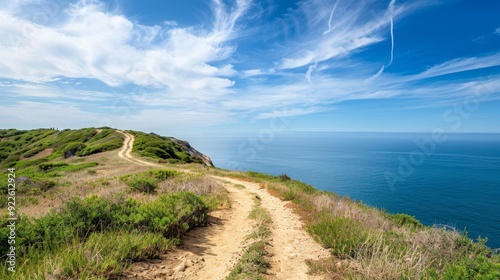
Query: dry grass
(200, 184)
(368, 243)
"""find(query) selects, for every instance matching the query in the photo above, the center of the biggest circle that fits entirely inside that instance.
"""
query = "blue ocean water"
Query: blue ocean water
(451, 180)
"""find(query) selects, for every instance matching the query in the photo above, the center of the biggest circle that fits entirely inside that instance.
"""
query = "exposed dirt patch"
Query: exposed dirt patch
(42, 154)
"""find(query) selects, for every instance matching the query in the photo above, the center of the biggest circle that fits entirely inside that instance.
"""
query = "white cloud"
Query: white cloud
(188, 74)
(461, 65)
(29, 115)
(374, 77)
(252, 72)
(310, 70)
(497, 31)
(92, 43)
(290, 113)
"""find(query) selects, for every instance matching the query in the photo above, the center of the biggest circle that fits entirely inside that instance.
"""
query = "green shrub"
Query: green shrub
(342, 235)
(407, 220)
(477, 268)
(50, 165)
(143, 184)
(27, 163)
(172, 215)
(72, 148)
(162, 174)
(147, 182)
(158, 147)
(283, 177)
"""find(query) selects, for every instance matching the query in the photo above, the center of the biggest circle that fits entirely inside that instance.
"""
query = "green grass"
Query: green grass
(341, 235)
(253, 263)
(161, 148)
(109, 254)
(147, 182)
(17, 145)
(96, 237)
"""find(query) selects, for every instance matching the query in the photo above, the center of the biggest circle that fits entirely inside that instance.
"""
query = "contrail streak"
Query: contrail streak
(391, 14)
(391, 18)
(331, 16)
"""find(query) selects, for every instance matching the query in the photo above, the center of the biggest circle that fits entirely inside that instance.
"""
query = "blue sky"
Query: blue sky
(192, 67)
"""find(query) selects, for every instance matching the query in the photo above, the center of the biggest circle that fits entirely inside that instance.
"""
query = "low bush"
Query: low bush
(143, 184)
(50, 165)
(108, 254)
(283, 177)
(96, 237)
(407, 220)
(341, 235)
(147, 182)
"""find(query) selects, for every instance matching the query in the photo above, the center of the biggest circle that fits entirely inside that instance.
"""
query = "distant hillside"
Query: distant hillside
(42, 155)
(50, 144)
(167, 149)
(45, 145)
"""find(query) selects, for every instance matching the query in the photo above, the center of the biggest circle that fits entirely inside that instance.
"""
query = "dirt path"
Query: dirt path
(212, 252)
(126, 150)
(291, 245)
(206, 253)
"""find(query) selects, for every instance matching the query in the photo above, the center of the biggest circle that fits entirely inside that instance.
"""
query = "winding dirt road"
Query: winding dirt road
(212, 252)
(126, 150)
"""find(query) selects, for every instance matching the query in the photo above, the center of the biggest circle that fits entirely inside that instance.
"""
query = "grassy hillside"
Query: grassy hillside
(163, 149)
(83, 213)
(44, 155)
(16, 145)
(100, 237)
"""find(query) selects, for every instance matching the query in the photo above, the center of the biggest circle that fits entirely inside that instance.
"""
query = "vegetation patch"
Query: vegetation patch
(96, 237)
(161, 148)
(16, 145)
(214, 194)
(253, 264)
(108, 254)
(147, 182)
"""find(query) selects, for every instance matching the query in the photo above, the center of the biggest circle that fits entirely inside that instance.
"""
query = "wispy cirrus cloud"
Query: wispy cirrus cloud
(461, 65)
(356, 26)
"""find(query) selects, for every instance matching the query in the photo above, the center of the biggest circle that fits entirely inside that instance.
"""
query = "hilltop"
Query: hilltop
(102, 203)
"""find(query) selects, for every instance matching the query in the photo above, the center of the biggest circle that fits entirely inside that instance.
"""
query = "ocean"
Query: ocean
(451, 179)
